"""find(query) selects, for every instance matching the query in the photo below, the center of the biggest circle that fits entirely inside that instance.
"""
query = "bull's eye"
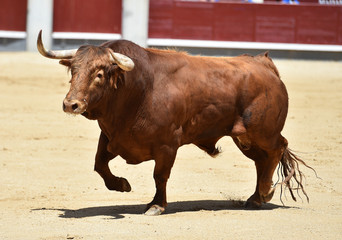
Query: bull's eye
(99, 76)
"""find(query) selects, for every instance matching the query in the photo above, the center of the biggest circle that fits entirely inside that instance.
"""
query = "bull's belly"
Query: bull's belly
(131, 151)
(202, 130)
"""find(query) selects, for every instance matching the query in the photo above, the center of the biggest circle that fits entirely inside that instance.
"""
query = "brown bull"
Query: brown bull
(150, 102)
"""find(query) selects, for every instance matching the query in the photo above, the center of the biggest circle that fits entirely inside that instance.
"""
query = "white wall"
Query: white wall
(135, 16)
(135, 21)
(39, 16)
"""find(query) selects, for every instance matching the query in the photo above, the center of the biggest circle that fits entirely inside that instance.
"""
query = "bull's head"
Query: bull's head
(94, 69)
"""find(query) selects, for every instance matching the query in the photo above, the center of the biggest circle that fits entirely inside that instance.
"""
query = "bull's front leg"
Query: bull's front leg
(102, 159)
(164, 160)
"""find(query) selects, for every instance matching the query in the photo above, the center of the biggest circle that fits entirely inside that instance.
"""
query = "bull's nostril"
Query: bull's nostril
(74, 106)
(64, 107)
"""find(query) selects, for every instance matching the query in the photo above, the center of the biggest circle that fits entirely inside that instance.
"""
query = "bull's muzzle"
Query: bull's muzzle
(74, 106)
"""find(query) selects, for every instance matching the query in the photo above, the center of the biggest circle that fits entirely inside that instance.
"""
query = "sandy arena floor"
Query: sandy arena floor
(48, 189)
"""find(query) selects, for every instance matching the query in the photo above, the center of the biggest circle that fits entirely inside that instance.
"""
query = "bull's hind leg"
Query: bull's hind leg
(266, 160)
(102, 159)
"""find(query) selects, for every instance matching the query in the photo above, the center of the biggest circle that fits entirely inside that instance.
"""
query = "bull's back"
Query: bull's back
(220, 91)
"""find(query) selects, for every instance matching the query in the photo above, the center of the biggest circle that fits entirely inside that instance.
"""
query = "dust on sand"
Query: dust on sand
(50, 191)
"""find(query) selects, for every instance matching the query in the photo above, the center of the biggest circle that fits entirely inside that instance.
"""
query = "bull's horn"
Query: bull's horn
(124, 62)
(63, 54)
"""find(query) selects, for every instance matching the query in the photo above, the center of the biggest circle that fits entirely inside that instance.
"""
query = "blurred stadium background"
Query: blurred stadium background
(304, 29)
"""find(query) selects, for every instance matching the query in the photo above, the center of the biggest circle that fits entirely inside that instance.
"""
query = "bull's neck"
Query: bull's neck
(121, 106)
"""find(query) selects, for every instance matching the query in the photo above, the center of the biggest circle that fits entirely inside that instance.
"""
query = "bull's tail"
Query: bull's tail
(292, 176)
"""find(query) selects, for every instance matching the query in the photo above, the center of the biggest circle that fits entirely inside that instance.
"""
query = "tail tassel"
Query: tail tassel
(291, 174)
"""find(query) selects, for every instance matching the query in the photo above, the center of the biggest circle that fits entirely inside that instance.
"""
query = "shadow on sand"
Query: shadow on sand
(118, 212)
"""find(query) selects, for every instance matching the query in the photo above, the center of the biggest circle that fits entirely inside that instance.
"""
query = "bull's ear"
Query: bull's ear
(116, 76)
(65, 62)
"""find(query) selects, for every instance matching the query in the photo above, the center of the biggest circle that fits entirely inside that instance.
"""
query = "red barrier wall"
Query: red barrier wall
(268, 22)
(13, 15)
(221, 21)
(95, 16)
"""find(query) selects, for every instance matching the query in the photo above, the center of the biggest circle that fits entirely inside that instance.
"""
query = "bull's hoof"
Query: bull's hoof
(125, 186)
(252, 205)
(266, 198)
(119, 184)
(154, 210)
(253, 202)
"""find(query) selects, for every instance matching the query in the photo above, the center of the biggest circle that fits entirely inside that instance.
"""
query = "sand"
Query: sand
(48, 189)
